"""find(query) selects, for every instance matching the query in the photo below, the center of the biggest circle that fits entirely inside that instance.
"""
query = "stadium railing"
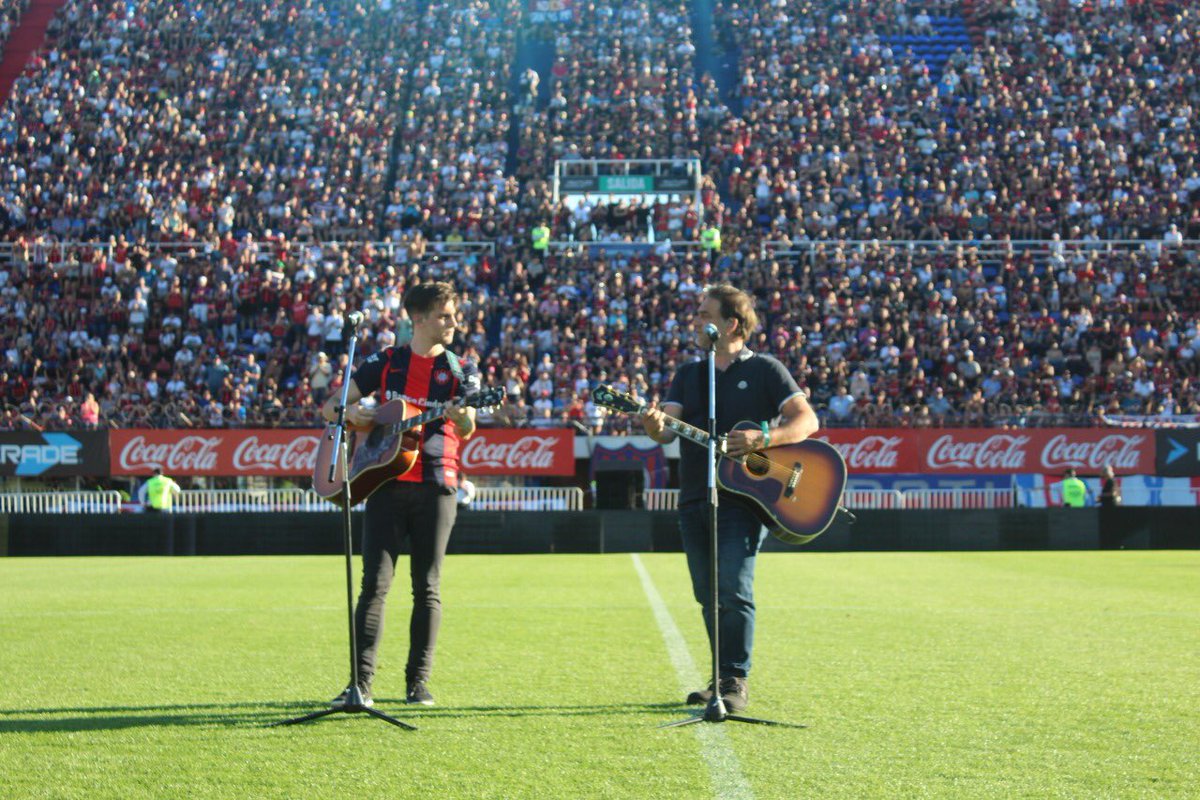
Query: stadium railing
(80, 502)
(388, 248)
(661, 499)
(193, 501)
(985, 249)
(959, 498)
(913, 499)
(527, 498)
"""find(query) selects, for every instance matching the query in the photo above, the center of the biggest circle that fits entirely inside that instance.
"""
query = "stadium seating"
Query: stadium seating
(968, 213)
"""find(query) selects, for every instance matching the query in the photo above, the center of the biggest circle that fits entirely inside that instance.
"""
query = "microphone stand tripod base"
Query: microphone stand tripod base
(715, 711)
(355, 704)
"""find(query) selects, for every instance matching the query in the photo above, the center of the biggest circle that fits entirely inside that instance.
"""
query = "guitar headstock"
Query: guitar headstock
(485, 398)
(608, 397)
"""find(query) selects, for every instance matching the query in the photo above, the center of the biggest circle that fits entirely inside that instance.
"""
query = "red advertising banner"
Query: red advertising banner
(875, 451)
(523, 451)
(519, 451)
(273, 452)
(979, 451)
(279, 452)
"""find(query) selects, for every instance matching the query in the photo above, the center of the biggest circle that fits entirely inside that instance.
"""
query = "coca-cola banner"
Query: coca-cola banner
(875, 450)
(214, 452)
(974, 451)
(519, 451)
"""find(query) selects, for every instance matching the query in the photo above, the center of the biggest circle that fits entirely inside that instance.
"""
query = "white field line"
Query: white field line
(728, 780)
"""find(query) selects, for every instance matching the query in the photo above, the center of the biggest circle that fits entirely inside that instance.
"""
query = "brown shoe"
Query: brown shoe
(735, 693)
(700, 697)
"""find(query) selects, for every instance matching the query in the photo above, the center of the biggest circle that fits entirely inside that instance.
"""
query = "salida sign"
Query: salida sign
(214, 452)
(977, 451)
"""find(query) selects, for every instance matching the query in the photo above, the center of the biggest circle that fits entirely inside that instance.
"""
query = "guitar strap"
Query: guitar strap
(455, 366)
(387, 367)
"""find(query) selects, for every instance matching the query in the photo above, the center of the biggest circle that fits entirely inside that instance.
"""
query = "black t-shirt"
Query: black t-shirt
(423, 382)
(753, 387)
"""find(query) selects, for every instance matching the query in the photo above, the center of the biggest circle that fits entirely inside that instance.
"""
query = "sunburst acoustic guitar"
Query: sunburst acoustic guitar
(796, 488)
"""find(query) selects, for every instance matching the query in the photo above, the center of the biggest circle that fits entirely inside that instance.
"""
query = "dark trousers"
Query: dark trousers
(739, 536)
(424, 515)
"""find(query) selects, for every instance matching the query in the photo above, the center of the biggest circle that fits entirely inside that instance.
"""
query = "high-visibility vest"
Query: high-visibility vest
(1074, 493)
(158, 491)
(710, 238)
(541, 237)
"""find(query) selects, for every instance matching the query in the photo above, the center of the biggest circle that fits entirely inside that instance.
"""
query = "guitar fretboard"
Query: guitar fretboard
(420, 419)
(690, 432)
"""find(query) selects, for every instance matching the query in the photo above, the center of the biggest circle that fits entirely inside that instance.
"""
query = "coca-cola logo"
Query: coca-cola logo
(1122, 451)
(999, 452)
(187, 455)
(297, 456)
(871, 452)
(527, 453)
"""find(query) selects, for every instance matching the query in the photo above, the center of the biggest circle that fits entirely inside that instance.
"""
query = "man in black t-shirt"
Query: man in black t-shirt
(421, 504)
(749, 387)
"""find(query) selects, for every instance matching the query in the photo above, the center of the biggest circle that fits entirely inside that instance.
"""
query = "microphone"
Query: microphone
(354, 319)
(712, 333)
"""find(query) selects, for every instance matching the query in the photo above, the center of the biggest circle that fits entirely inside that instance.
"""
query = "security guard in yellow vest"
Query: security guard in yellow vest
(1074, 491)
(159, 492)
(710, 240)
(540, 239)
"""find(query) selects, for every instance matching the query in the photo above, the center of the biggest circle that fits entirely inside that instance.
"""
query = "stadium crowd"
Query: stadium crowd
(271, 144)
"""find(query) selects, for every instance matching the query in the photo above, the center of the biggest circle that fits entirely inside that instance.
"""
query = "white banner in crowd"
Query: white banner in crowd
(1155, 421)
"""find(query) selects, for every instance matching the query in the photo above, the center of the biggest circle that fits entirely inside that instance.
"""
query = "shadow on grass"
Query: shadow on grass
(102, 718)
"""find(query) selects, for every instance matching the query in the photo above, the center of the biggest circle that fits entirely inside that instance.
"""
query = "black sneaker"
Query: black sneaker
(735, 693)
(418, 694)
(340, 700)
(700, 697)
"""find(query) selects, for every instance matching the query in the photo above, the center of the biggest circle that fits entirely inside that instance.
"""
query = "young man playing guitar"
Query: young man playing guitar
(749, 386)
(419, 505)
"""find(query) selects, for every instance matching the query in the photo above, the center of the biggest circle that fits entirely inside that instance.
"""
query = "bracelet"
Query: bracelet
(766, 436)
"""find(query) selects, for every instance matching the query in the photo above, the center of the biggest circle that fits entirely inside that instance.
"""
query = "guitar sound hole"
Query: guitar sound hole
(758, 466)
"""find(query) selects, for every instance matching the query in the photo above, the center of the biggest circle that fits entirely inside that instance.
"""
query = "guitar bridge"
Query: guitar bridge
(789, 491)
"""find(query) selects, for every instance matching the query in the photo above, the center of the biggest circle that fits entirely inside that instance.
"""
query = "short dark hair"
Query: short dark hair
(735, 304)
(426, 296)
(1070, 473)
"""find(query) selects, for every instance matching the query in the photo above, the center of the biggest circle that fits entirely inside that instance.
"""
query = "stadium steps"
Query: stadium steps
(538, 54)
(719, 57)
(27, 37)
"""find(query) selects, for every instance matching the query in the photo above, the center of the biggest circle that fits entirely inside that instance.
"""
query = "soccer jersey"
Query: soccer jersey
(423, 382)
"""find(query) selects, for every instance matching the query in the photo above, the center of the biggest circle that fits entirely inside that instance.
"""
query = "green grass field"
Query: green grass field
(919, 675)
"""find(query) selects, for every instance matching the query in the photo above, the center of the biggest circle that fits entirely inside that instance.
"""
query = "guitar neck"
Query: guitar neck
(689, 432)
(422, 418)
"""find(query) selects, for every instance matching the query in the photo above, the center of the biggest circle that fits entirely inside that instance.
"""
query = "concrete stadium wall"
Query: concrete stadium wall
(595, 532)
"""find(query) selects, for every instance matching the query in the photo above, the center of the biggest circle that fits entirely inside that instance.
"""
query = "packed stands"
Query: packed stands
(952, 213)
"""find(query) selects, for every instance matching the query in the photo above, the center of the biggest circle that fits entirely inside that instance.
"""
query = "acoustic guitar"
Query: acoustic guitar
(796, 488)
(384, 451)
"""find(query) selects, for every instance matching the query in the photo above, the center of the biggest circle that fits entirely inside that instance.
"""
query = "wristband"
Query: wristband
(766, 436)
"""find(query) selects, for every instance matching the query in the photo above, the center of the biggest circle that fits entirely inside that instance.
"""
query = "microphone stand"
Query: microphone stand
(355, 703)
(715, 711)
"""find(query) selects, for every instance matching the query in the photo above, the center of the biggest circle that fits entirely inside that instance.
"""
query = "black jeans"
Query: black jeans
(739, 536)
(424, 514)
